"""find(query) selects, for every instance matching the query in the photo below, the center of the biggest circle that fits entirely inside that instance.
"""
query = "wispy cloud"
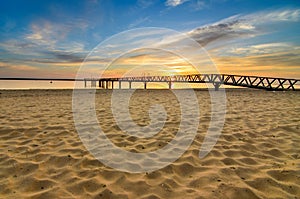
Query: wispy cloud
(144, 3)
(262, 49)
(27, 51)
(20, 67)
(138, 22)
(47, 33)
(199, 5)
(174, 3)
(45, 42)
(273, 16)
(8, 69)
(240, 26)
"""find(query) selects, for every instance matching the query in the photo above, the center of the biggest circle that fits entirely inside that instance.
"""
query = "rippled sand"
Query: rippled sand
(256, 156)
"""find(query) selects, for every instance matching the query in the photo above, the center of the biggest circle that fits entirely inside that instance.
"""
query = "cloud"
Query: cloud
(269, 59)
(225, 42)
(260, 49)
(174, 3)
(45, 43)
(57, 56)
(138, 22)
(24, 51)
(199, 5)
(16, 67)
(144, 3)
(222, 31)
(274, 16)
(46, 33)
(13, 46)
(278, 64)
(4, 67)
(241, 26)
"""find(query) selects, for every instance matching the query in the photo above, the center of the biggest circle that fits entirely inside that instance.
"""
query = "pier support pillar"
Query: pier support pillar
(112, 84)
(145, 85)
(170, 85)
(217, 85)
(106, 84)
(93, 83)
(120, 85)
(84, 83)
(129, 85)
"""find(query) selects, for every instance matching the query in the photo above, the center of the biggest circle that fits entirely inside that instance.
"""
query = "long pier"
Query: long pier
(257, 82)
(267, 83)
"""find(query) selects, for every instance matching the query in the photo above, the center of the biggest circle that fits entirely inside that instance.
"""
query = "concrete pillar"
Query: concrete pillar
(217, 85)
(170, 85)
(129, 85)
(106, 84)
(145, 85)
(93, 83)
(84, 83)
(120, 86)
(112, 84)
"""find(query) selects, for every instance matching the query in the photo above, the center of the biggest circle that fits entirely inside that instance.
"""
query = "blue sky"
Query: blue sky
(52, 38)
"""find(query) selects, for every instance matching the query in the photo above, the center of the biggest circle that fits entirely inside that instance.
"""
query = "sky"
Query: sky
(53, 38)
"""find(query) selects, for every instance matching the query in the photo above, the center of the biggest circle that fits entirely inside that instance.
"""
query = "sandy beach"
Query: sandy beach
(256, 156)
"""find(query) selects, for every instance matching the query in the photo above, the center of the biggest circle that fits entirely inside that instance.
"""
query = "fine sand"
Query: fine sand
(257, 154)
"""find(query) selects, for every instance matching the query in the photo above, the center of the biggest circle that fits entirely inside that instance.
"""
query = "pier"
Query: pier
(257, 82)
